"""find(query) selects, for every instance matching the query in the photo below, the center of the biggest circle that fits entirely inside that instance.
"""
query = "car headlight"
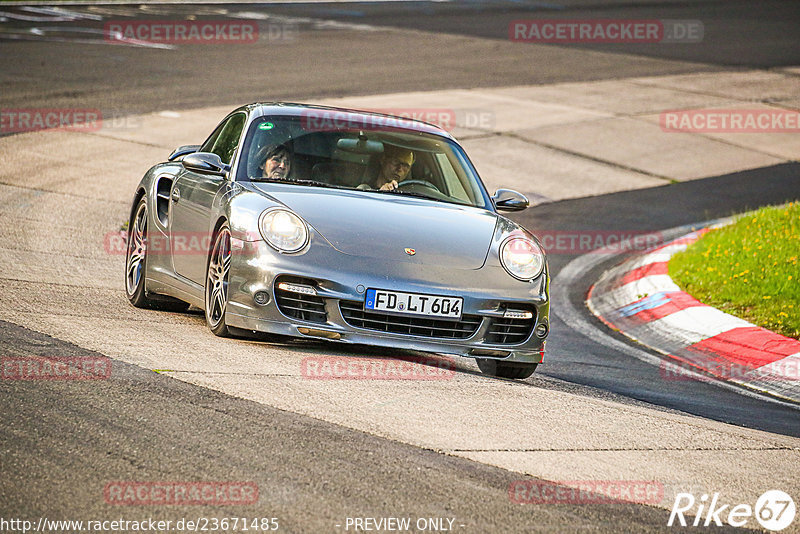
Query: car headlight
(522, 258)
(283, 230)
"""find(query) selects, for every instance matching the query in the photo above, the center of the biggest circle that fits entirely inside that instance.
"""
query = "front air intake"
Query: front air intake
(355, 315)
(299, 305)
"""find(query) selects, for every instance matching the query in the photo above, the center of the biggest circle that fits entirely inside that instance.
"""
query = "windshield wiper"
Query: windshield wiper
(409, 193)
(310, 183)
(314, 183)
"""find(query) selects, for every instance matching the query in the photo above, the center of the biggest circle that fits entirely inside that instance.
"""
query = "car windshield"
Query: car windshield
(310, 151)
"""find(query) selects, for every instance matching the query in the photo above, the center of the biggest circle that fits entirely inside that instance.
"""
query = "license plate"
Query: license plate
(413, 304)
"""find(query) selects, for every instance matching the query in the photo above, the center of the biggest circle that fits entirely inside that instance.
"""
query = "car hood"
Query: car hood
(382, 226)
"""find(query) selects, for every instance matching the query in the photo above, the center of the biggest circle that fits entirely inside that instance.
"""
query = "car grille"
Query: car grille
(354, 315)
(506, 331)
(297, 305)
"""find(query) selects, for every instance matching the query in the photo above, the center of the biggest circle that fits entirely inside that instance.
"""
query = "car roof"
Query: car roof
(259, 109)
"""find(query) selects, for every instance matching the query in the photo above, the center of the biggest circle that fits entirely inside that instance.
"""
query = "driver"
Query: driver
(395, 166)
(277, 162)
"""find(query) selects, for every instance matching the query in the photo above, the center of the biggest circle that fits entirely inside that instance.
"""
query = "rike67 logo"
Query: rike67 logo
(774, 510)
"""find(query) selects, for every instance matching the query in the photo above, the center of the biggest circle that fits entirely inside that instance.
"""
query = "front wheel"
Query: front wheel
(216, 292)
(506, 369)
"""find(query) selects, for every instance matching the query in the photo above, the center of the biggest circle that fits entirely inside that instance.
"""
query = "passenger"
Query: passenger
(277, 162)
(395, 166)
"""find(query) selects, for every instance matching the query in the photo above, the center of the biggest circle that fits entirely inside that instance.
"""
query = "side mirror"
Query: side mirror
(508, 200)
(205, 163)
(182, 151)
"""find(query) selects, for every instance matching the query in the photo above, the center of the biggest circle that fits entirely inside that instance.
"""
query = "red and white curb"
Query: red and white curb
(639, 299)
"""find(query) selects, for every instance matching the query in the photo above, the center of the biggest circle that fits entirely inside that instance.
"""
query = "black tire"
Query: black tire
(216, 287)
(506, 369)
(136, 267)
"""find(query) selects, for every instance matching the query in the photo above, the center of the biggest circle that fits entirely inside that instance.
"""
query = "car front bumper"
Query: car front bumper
(340, 282)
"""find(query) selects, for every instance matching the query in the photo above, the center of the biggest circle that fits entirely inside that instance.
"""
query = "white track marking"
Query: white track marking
(696, 324)
(665, 252)
(41, 33)
(32, 18)
(638, 289)
(61, 13)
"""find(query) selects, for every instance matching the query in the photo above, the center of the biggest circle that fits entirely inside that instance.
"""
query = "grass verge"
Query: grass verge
(749, 269)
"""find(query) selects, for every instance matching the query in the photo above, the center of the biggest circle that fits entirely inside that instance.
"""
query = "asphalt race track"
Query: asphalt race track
(323, 452)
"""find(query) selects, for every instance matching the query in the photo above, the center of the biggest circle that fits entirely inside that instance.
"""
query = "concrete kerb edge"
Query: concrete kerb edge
(576, 319)
(666, 354)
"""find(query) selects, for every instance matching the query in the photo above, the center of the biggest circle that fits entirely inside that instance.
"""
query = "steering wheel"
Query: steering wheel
(423, 183)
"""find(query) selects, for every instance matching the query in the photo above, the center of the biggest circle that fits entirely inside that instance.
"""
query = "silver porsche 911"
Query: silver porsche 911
(342, 225)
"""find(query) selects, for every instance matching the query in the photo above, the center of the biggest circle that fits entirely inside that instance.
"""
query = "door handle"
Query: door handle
(176, 194)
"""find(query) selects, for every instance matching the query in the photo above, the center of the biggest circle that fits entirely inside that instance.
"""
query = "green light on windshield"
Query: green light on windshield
(266, 126)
